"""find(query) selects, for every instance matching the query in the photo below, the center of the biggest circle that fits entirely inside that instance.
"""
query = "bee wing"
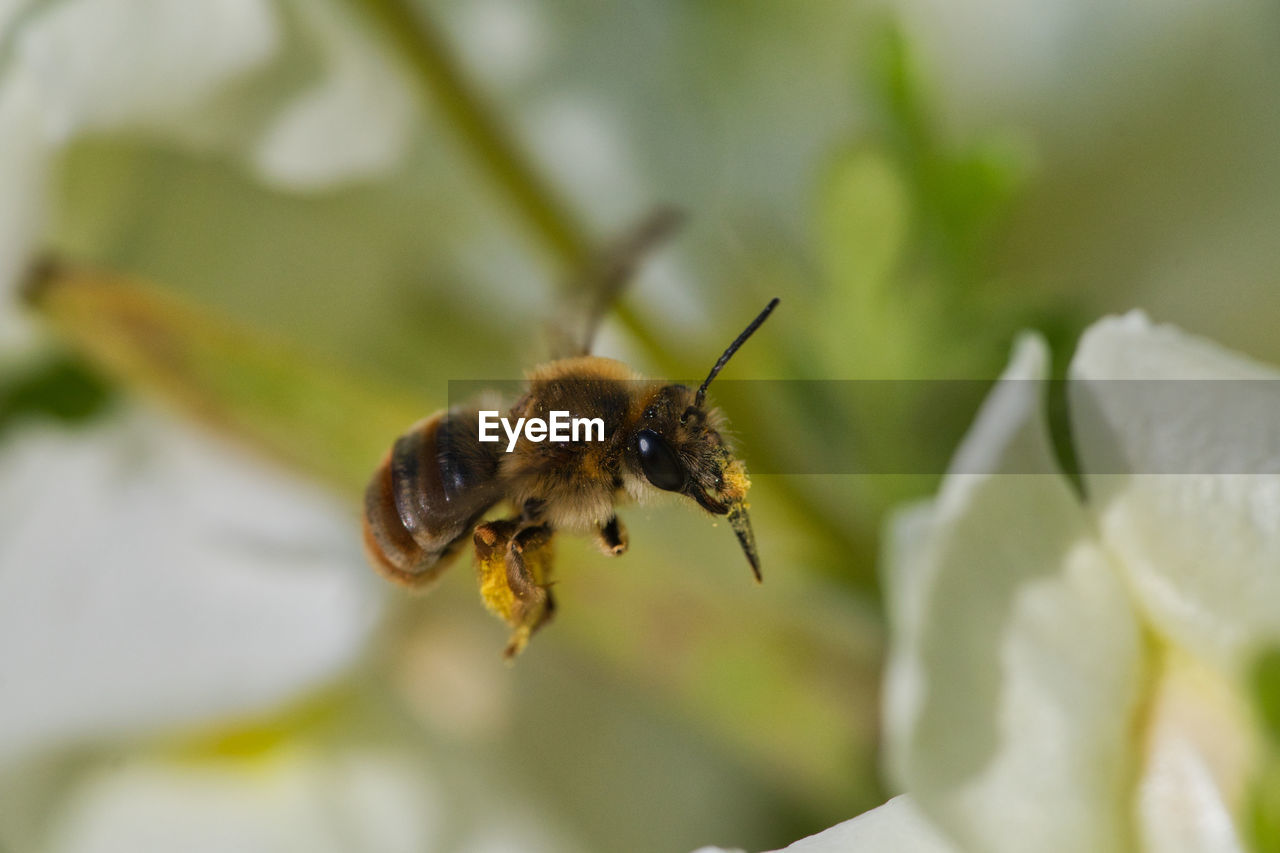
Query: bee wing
(574, 331)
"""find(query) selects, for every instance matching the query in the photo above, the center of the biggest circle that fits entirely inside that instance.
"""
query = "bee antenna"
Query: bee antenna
(733, 347)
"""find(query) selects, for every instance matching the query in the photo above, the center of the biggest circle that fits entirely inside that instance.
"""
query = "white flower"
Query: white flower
(1066, 673)
(151, 579)
(897, 825)
(299, 797)
(155, 584)
(299, 793)
(136, 64)
(159, 68)
(353, 124)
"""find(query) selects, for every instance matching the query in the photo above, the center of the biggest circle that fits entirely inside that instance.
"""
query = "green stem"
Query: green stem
(444, 84)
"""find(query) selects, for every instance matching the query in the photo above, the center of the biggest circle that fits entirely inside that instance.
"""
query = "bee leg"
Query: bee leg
(534, 618)
(526, 587)
(612, 537)
(528, 569)
(514, 565)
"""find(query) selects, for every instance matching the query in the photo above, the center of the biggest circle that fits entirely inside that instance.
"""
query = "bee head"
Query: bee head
(678, 448)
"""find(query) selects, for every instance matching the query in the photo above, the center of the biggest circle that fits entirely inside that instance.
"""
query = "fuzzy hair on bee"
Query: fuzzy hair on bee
(438, 482)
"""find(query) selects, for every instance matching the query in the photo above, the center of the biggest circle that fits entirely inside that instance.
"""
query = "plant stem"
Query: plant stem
(420, 43)
(446, 88)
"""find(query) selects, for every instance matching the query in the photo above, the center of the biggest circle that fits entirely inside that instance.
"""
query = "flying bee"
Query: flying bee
(439, 480)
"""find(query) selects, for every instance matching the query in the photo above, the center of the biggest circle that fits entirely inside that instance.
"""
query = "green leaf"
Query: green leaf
(870, 327)
(1264, 807)
(1264, 797)
(60, 387)
(1266, 692)
(865, 219)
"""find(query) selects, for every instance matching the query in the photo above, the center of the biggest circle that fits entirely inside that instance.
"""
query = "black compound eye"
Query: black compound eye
(659, 461)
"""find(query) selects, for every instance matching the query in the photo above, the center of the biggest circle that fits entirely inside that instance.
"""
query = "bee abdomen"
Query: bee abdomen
(427, 494)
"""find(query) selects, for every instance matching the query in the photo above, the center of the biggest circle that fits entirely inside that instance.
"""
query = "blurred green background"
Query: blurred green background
(917, 180)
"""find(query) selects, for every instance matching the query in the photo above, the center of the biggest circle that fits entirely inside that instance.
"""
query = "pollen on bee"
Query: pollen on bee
(736, 480)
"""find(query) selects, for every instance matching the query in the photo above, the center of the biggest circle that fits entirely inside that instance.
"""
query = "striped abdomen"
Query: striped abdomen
(430, 490)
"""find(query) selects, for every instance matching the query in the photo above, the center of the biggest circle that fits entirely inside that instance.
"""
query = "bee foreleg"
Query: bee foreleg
(612, 537)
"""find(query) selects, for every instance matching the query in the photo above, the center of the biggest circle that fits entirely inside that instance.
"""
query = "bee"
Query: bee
(439, 480)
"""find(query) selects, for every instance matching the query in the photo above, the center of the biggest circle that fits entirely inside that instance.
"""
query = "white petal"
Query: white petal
(106, 64)
(1198, 763)
(911, 568)
(296, 799)
(895, 826)
(1197, 532)
(500, 42)
(149, 578)
(354, 124)
(1022, 647)
(583, 147)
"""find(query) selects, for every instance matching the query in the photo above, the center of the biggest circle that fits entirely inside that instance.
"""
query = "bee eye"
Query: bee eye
(659, 461)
